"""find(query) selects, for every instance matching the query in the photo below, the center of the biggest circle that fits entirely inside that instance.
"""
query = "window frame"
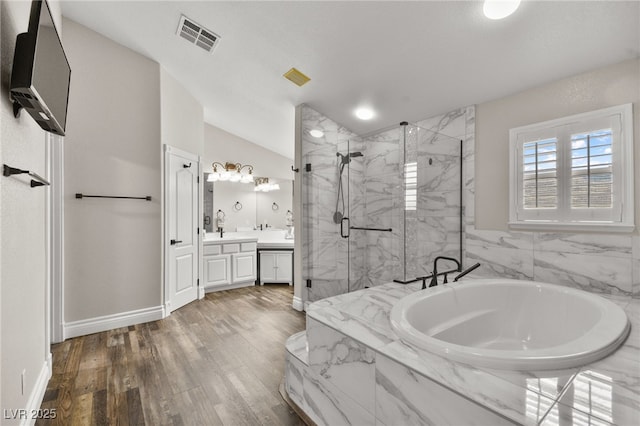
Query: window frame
(620, 218)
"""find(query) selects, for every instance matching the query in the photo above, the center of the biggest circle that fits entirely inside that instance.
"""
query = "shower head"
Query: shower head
(346, 159)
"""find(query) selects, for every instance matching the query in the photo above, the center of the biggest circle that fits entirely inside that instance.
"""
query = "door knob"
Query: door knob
(174, 242)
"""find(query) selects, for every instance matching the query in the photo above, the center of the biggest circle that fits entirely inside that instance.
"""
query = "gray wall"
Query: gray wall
(24, 341)
(112, 247)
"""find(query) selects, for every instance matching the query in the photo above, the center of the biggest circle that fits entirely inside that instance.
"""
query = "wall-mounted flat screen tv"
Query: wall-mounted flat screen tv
(41, 73)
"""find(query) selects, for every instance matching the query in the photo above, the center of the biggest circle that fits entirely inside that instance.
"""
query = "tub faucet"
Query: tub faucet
(434, 278)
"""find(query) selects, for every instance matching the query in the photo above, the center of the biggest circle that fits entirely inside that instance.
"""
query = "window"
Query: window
(410, 186)
(574, 173)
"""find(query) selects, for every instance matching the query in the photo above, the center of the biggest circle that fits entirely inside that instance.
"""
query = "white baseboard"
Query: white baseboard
(297, 304)
(109, 322)
(37, 393)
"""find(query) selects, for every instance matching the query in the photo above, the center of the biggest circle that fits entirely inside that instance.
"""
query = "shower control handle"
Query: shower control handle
(343, 228)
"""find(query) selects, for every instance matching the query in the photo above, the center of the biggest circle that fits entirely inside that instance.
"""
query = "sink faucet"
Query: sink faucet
(221, 231)
(434, 278)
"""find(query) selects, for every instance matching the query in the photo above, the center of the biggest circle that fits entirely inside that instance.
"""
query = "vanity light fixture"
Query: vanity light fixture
(499, 9)
(263, 185)
(364, 113)
(316, 133)
(232, 172)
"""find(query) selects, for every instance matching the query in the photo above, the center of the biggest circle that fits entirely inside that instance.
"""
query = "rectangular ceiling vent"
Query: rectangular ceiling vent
(296, 77)
(196, 34)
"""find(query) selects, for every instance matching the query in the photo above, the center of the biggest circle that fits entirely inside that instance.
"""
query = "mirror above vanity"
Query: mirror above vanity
(245, 209)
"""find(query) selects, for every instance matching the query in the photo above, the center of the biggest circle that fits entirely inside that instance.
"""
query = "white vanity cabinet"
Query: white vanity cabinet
(276, 267)
(229, 264)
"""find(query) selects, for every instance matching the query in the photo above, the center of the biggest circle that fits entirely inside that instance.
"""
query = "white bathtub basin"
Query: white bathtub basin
(511, 324)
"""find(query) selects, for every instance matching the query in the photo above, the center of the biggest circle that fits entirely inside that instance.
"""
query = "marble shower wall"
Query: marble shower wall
(383, 207)
(375, 199)
(434, 227)
(325, 252)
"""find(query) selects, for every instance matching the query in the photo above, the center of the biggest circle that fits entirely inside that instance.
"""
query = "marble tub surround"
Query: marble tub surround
(599, 263)
(350, 335)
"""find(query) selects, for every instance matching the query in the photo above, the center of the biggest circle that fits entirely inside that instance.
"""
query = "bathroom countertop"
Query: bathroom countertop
(215, 239)
(604, 392)
(275, 244)
(272, 239)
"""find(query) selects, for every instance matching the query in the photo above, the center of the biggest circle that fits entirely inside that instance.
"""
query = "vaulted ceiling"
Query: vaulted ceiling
(407, 60)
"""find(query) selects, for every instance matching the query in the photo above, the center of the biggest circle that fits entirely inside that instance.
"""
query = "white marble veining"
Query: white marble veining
(498, 261)
(408, 398)
(599, 274)
(584, 244)
(403, 373)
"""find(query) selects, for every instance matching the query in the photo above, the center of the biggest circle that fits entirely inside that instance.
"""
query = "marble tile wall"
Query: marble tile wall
(438, 214)
(325, 252)
(601, 263)
(375, 198)
(383, 204)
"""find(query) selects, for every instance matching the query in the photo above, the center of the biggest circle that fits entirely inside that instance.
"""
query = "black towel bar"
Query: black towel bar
(147, 198)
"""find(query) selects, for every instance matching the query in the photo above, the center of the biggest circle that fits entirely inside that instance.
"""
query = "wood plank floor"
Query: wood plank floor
(216, 361)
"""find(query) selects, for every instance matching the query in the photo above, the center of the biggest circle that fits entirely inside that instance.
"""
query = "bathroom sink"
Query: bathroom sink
(511, 324)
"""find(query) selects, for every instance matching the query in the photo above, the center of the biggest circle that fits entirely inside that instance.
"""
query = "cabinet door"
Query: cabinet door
(283, 267)
(244, 267)
(217, 270)
(267, 267)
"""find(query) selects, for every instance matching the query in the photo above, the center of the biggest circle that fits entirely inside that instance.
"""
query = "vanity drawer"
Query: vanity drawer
(231, 248)
(212, 249)
(248, 246)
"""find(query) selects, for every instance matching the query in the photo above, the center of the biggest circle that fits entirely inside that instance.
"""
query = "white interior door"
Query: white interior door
(182, 228)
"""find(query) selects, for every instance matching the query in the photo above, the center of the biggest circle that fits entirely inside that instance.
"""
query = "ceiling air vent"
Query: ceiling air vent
(196, 34)
(296, 77)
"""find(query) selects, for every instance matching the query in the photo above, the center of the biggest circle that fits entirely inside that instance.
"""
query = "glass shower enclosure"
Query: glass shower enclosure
(378, 208)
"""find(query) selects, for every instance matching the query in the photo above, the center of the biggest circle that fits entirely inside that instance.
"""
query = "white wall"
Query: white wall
(112, 247)
(181, 116)
(23, 290)
(613, 85)
(222, 146)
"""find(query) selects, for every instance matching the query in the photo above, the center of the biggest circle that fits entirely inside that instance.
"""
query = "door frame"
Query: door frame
(54, 229)
(169, 150)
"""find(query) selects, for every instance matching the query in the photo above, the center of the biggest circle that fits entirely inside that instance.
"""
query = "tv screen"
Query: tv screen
(41, 73)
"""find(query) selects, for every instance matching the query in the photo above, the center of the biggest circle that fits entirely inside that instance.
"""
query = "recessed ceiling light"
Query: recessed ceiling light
(316, 133)
(364, 113)
(498, 9)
